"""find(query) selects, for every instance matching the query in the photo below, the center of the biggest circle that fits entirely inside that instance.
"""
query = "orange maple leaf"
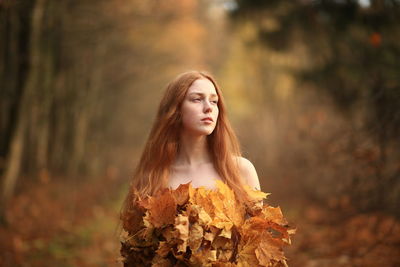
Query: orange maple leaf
(162, 209)
(181, 194)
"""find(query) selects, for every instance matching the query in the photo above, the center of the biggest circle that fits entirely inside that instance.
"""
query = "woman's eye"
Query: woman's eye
(215, 102)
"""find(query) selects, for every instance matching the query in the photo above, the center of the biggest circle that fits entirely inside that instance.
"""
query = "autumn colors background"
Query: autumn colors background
(312, 88)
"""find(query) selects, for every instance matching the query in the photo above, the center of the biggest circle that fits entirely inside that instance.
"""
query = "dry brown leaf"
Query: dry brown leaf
(269, 249)
(222, 243)
(181, 194)
(203, 257)
(209, 236)
(274, 215)
(182, 227)
(168, 233)
(159, 261)
(133, 221)
(162, 210)
(246, 253)
(224, 255)
(255, 224)
(195, 236)
(163, 249)
(199, 214)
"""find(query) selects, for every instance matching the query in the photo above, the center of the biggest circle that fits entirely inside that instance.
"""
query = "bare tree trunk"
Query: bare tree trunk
(12, 69)
(79, 140)
(14, 159)
(47, 95)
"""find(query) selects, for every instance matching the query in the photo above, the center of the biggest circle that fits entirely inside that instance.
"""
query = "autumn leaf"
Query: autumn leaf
(200, 196)
(181, 194)
(203, 257)
(274, 215)
(198, 213)
(224, 255)
(182, 227)
(162, 210)
(133, 221)
(209, 236)
(246, 255)
(269, 249)
(221, 242)
(195, 236)
(168, 233)
(223, 264)
(159, 261)
(163, 249)
(256, 195)
(230, 207)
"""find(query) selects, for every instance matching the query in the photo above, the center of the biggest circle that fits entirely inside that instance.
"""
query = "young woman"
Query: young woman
(191, 141)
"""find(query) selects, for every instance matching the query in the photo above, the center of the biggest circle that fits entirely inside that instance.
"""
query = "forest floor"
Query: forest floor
(64, 224)
(75, 223)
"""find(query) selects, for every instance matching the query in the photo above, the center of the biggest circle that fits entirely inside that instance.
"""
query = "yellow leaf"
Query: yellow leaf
(256, 195)
(209, 236)
(226, 232)
(200, 196)
(274, 215)
(182, 227)
(228, 203)
(195, 236)
(212, 255)
(198, 213)
(146, 220)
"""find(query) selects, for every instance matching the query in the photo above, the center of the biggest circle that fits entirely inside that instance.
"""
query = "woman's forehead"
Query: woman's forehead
(202, 86)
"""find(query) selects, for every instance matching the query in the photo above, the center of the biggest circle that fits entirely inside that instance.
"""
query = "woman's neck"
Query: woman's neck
(193, 150)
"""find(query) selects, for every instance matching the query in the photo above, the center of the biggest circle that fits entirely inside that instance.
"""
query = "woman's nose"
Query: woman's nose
(207, 106)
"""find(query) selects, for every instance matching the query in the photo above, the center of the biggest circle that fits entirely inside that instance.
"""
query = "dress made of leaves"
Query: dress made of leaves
(200, 227)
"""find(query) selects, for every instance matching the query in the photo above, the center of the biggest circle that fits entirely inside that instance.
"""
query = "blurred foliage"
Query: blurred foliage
(352, 53)
(80, 80)
(354, 49)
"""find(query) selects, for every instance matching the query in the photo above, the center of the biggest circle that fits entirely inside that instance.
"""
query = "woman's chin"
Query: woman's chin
(202, 131)
(207, 132)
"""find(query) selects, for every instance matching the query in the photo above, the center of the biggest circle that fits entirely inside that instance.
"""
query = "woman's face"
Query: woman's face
(199, 108)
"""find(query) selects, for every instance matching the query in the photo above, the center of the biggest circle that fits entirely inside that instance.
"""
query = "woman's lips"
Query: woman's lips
(207, 119)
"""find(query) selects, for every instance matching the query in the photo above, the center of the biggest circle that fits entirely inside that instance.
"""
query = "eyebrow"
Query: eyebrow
(197, 93)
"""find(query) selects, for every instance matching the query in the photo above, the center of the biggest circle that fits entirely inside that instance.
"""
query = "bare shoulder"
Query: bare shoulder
(248, 172)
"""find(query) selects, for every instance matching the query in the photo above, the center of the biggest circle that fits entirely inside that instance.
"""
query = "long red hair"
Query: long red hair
(152, 171)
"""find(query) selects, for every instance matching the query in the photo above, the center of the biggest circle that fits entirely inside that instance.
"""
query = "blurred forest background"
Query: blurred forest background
(312, 88)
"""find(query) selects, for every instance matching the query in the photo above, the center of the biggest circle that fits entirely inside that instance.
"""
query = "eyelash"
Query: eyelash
(215, 101)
